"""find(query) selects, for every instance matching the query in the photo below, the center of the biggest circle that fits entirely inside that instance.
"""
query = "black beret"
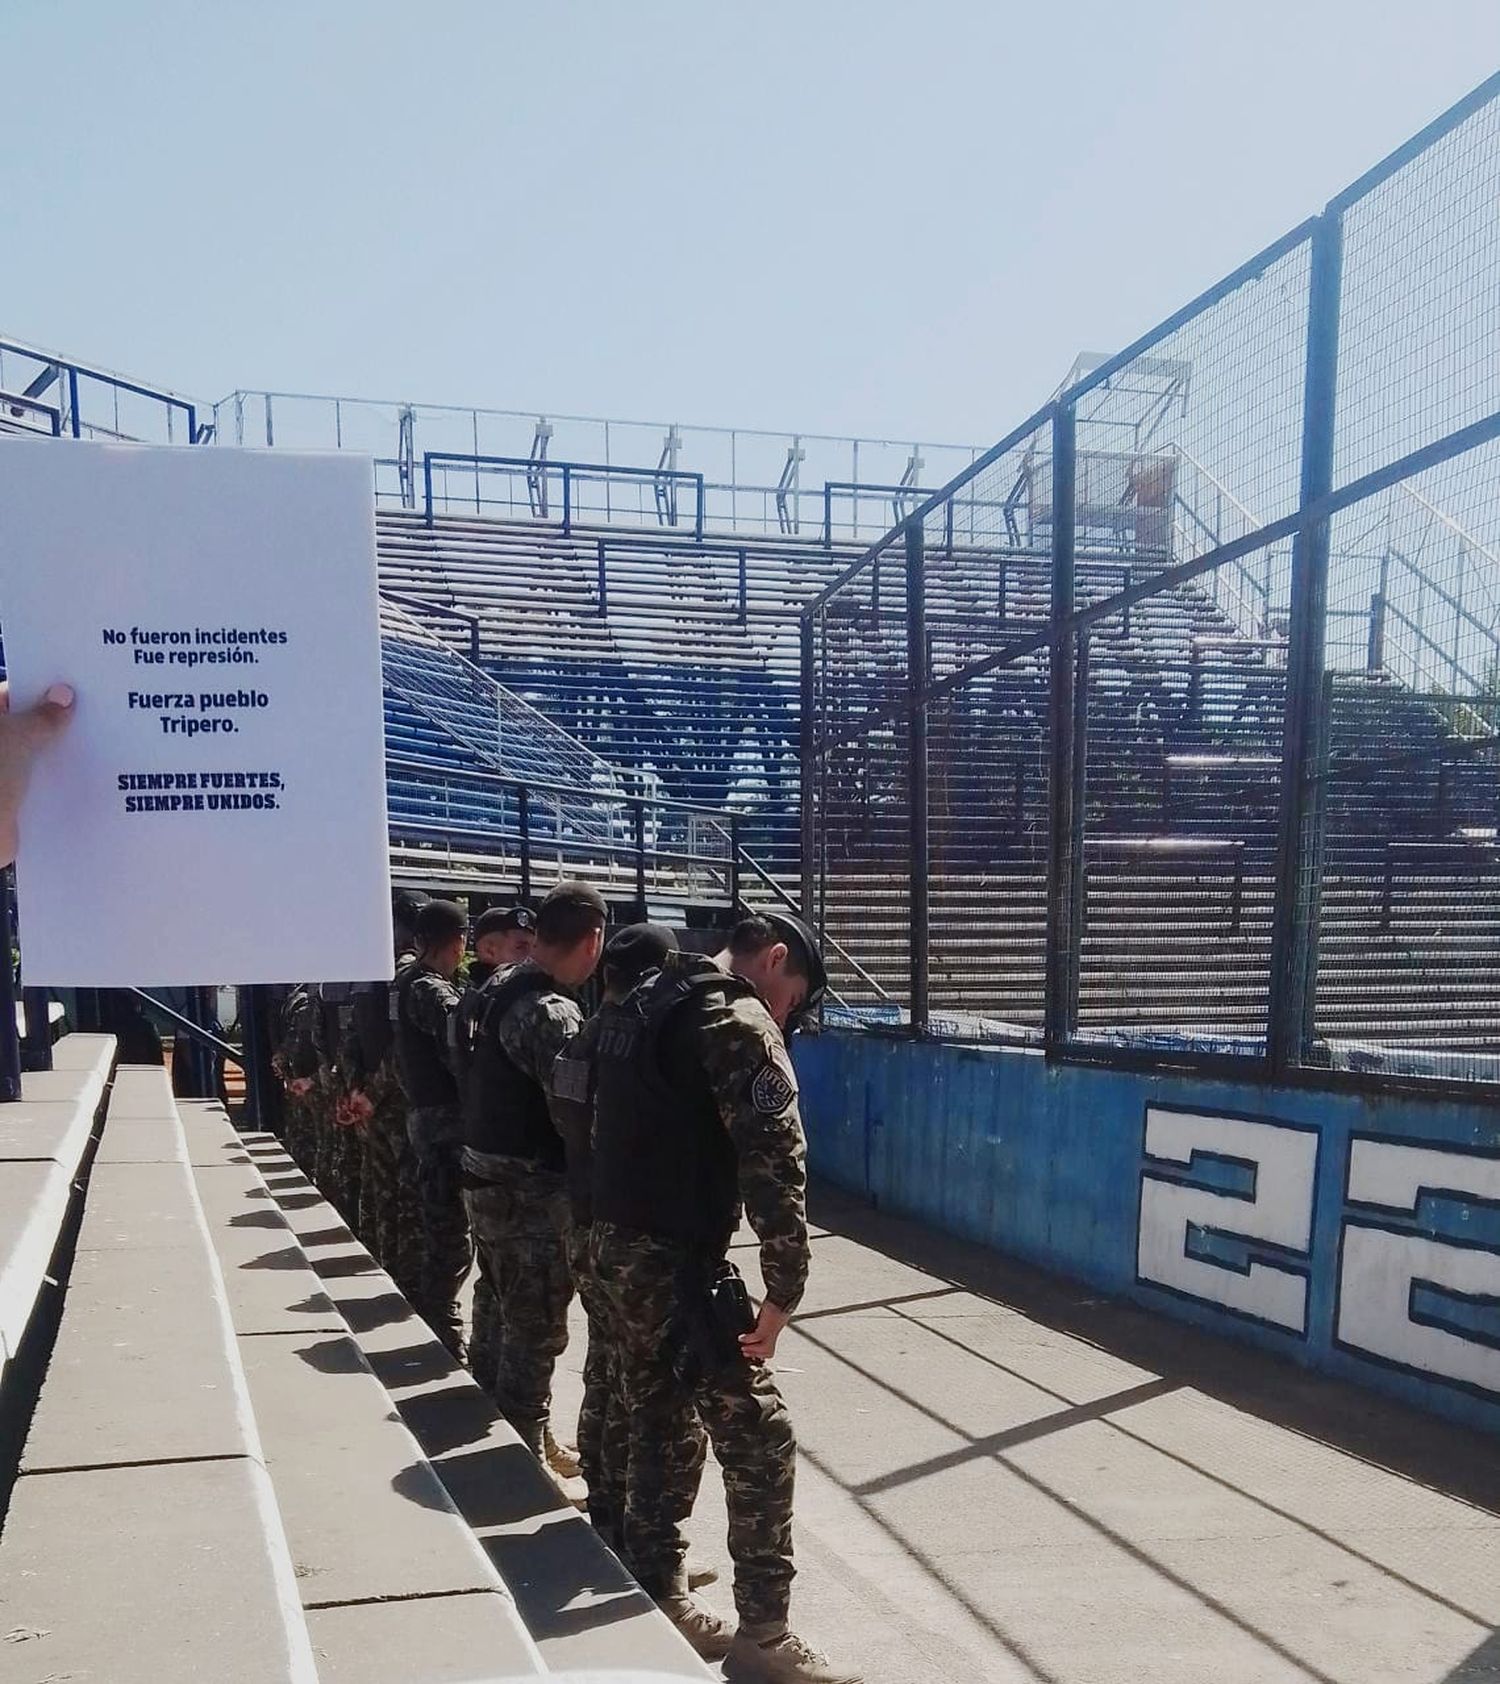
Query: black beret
(406, 904)
(499, 920)
(799, 937)
(638, 948)
(440, 920)
(583, 896)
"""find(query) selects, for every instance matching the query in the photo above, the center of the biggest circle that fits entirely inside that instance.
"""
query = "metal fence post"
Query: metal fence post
(1299, 849)
(807, 771)
(1078, 886)
(523, 817)
(261, 1094)
(916, 745)
(36, 1044)
(10, 1039)
(1065, 816)
(567, 520)
(734, 865)
(640, 860)
(1375, 646)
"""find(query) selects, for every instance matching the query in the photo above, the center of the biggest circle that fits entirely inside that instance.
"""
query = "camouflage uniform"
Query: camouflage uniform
(729, 1041)
(344, 1138)
(297, 1059)
(603, 1428)
(388, 1215)
(519, 1207)
(435, 1130)
(484, 1325)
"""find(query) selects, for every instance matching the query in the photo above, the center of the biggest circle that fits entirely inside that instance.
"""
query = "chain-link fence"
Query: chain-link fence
(1171, 728)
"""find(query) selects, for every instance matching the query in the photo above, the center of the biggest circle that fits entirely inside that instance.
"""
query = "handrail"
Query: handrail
(1460, 532)
(196, 1031)
(243, 392)
(540, 467)
(15, 402)
(827, 940)
(487, 680)
(73, 370)
(897, 493)
(442, 609)
(534, 786)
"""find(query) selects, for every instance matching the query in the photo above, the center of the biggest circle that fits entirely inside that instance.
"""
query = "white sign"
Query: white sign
(216, 810)
(1276, 1211)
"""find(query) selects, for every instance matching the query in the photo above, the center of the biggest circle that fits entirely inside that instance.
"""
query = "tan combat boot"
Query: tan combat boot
(782, 1660)
(561, 1458)
(708, 1635)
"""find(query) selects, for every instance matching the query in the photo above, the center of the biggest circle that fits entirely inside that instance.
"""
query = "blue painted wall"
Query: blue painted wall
(1045, 1162)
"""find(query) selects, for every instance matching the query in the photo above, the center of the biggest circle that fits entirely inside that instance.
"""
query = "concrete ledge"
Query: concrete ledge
(393, 1582)
(151, 1575)
(132, 1205)
(435, 1640)
(581, 1607)
(139, 1372)
(142, 1540)
(42, 1142)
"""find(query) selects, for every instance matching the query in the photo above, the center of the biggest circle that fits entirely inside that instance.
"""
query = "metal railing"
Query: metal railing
(89, 401)
(577, 480)
(1304, 371)
(753, 479)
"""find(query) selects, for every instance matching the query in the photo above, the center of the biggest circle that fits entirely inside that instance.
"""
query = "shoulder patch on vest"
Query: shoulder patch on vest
(570, 1079)
(771, 1092)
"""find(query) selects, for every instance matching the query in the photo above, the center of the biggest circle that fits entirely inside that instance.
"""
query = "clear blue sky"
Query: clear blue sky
(866, 216)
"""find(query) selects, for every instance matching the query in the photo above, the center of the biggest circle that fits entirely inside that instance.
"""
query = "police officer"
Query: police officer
(296, 1063)
(342, 1139)
(426, 998)
(503, 936)
(695, 1115)
(388, 1211)
(603, 1443)
(514, 1158)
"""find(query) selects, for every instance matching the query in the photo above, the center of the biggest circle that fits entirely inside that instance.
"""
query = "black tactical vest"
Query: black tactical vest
(663, 1160)
(505, 1110)
(425, 1077)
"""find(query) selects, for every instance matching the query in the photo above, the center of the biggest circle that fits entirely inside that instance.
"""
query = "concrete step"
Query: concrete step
(43, 1141)
(367, 1521)
(343, 1370)
(142, 1542)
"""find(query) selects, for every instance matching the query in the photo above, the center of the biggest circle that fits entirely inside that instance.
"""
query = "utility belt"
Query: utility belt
(483, 1169)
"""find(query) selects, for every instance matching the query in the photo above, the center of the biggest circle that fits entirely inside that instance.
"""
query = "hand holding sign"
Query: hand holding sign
(216, 811)
(22, 736)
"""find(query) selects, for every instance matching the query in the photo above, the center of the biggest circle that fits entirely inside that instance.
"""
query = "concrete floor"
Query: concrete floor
(1004, 1477)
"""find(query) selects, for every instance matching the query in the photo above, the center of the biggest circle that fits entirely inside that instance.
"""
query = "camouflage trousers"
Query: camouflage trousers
(520, 1218)
(603, 1432)
(446, 1249)
(642, 1280)
(297, 1129)
(346, 1170)
(389, 1214)
(325, 1137)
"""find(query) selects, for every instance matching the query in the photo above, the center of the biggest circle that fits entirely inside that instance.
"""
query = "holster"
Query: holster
(714, 1309)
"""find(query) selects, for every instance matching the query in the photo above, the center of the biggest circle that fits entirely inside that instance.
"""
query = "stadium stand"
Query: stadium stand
(678, 659)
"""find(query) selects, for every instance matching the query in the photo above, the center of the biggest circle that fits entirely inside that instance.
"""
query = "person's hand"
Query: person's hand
(354, 1110)
(759, 1344)
(22, 737)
